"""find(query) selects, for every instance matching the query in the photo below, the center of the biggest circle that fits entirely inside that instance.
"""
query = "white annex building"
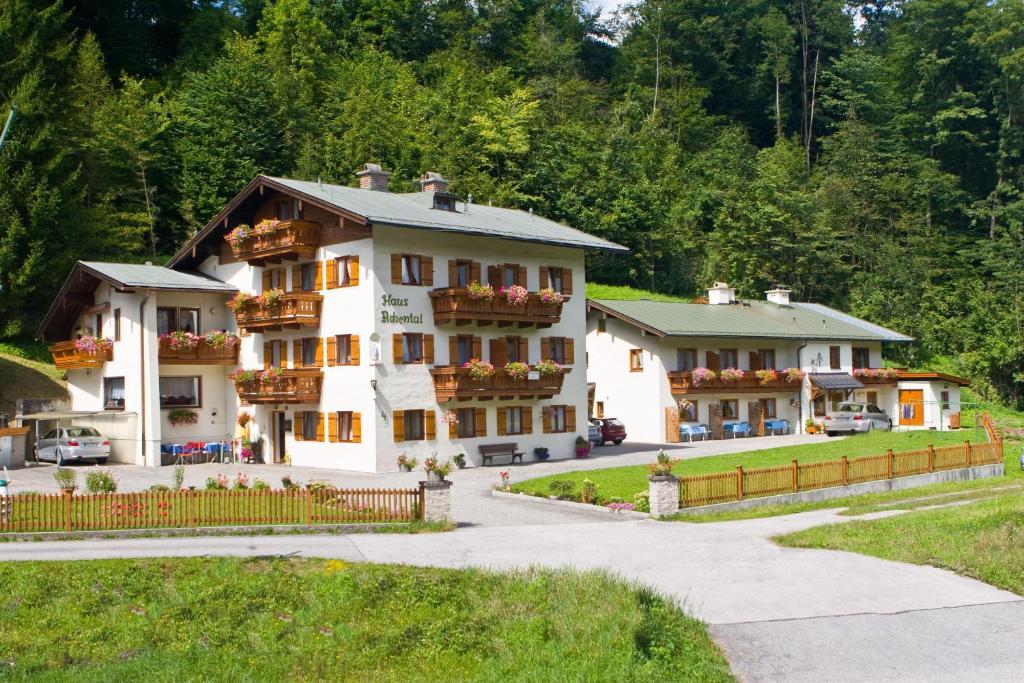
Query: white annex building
(349, 324)
(666, 368)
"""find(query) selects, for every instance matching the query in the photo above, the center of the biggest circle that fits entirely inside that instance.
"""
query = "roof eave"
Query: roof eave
(611, 246)
(591, 304)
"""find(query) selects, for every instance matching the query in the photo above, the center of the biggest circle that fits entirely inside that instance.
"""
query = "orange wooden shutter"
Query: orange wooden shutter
(570, 351)
(570, 418)
(527, 420)
(332, 273)
(320, 428)
(318, 278)
(268, 354)
(266, 279)
(544, 279)
(521, 276)
(545, 348)
(427, 271)
(397, 348)
(332, 351)
(755, 360)
(480, 422)
(712, 360)
(398, 425)
(296, 278)
(453, 273)
(396, 269)
(524, 350)
(332, 427)
(567, 281)
(453, 430)
(319, 358)
(502, 421)
(353, 346)
(453, 350)
(357, 427)
(428, 349)
(547, 421)
(430, 424)
(494, 276)
(499, 357)
(478, 347)
(297, 422)
(297, 353)
(353, 271)
(474, 272)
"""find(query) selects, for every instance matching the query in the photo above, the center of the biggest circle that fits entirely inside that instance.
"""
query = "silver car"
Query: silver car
(850, 417)
(594, 433)
(70, 444)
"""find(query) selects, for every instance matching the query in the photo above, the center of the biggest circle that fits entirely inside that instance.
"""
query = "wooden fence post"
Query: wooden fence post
(309, 506)
(189, 503)
(846, 469)
(931, 458)
(967, 453)
(796, 476)
(890, 463)
(68, 493)
(739, 482)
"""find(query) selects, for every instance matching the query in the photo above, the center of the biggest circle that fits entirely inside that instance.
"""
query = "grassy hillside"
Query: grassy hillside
(24, 375)
(622, 293)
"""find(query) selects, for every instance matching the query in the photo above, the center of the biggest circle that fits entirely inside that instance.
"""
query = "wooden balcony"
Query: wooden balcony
(453, 305)
(202, 354)
(67, 357)
(293, 239)
(294, 386)
(872, 377)
(295, 310)
(682, 383)
(454, 383)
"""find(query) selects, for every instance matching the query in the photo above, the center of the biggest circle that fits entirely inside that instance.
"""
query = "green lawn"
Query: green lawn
(623, 293)
(625, 482)
(982, 540)
(283, 619)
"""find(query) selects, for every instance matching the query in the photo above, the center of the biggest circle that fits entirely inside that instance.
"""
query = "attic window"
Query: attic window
(444, 201)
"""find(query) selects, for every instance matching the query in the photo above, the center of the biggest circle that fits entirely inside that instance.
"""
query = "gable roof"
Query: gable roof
(751, 319)
(76, 293)
(411, 210)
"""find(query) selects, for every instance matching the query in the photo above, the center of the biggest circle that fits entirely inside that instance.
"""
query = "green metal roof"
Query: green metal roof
(754, 319)
(145, 276)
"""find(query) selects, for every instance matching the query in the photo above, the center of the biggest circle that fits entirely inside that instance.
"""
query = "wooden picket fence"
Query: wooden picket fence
(726, 487)
(189, 509)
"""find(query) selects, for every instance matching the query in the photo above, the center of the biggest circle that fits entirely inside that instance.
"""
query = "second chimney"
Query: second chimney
(778, 295)
(433, 182)
(372, 177)
(721, 293)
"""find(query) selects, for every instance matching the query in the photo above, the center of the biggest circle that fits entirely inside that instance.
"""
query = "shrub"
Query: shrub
(319, 485)
(662, 467)
(642, 502)
(588, 492)
(287, 483)
(562, 488)
(100, 480)
(65, 478)
(159, 488)
(178, 477)
(459, 460)
(260, 485)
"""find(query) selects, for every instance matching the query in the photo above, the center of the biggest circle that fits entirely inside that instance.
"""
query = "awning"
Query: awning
(65, 414)
(835, 381)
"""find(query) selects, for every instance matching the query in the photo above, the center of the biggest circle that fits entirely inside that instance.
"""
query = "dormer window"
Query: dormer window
(444, 201)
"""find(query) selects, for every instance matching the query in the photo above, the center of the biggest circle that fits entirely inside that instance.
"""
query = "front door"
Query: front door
(911, 407)
(278, 421)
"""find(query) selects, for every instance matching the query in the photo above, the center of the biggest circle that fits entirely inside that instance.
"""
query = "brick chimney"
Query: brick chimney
(433, 182)
(721, 293)
(373, 178)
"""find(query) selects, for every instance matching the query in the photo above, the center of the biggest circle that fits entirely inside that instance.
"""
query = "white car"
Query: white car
(850, 417)
(71, 444)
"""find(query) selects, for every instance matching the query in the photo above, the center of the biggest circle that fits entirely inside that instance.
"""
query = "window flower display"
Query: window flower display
(546, 368)
(180, 340)
(271, 375)
(480, 292)
(449, 417)
(517, 370)
(479, 369)
(793, 374)
(242, 377)
(93, 345)
(241, 301)
(516, 295)
(701, 376)
(550, 296)
(271, 297)
(731, 375)
(766, 376)
(221, 340)
(238, 234)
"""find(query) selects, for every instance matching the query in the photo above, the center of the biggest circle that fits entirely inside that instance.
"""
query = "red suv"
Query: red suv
(611, 430)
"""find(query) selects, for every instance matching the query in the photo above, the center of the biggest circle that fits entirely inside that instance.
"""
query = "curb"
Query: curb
(261, 530)
(569, 504)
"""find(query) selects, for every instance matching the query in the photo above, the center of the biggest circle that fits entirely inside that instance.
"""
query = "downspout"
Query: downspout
(800, 394)
(142, 368)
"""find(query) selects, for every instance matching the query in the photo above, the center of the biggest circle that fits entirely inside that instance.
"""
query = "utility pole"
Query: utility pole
(7, 126)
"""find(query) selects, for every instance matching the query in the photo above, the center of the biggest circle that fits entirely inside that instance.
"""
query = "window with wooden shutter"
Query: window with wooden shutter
(570, 418)
(474, 272)
(712, 361)
(266, 279)
(321, 419)
(480, 422)
(296, 278)
(521, 276)
(318, 276)
(430, 424)
(318, 351)
(833, 358)
(861, 357)
(297, 355)
(636, 360)
(728, 358)
(353, 349)
(357, 427)
(570, 351)
(523, 356)
(332, 351)
(453, 273)
(544, 279)
(332, 427)
(547, 418)
(428, 349)
(453, 350)
(268, 354)
(494, 277)
(345, 426)
(332, 273)
(502, 421)
(767, 357)
(298, 424)
(398, 348)
(352, 267)
(398, 425)
(396, 269)
(478, 344)
(499, 352)
(755, 361)
(527, 417)
(456, 429)
(567, 281)
(427, 264)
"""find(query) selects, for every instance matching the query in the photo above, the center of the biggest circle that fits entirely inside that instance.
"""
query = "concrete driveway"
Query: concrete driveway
(779, 613)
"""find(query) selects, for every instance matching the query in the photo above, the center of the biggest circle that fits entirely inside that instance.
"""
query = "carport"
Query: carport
(119, 427)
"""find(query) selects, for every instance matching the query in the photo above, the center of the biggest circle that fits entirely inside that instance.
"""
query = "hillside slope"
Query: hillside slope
(24, 378)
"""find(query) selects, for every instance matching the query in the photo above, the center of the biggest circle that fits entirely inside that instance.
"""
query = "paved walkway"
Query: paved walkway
(779, 613)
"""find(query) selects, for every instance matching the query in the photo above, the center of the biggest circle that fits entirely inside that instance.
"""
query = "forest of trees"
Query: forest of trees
(868, 154)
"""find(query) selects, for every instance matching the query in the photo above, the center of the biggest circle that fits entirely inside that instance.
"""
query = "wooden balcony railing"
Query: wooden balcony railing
(294, 386)
(876, 377)
(682, 383)
(293, 239)
(201, 354)
(454, 305)
(454, 383)
(294, 310)
(67, 357)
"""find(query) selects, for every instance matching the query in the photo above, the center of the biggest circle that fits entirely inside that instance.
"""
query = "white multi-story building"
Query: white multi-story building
(358, 311)
(659, 365)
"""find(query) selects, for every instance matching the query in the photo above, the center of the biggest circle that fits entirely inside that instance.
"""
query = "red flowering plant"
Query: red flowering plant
(179, 340)
(93, 346)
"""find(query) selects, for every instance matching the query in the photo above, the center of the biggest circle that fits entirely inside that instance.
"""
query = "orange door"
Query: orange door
(911, 407)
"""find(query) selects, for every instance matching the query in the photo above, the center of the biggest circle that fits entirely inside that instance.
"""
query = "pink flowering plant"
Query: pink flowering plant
(618, 507)
(516, 295)
(517, 370)
(241, 301)
(731, 375)
(241, 482)
(506, 480)
(766, 376)
(241, 377)
(479, 369)
(793, 374)
(480, 292)
(238, 234)
(547, 368)
(701, 376)
(435, 465)
(271, 297)
(179, 340)
(221, 340)
(550, 296)
(267, 226)
(271, 375)
(93, 346)
(449, 417)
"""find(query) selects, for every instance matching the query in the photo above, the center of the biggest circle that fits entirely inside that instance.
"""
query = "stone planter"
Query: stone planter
(434, 476)
(583, 452)
(664, 494)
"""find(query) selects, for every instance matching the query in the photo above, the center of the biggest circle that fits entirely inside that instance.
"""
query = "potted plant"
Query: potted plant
(547, 368)
(181, 416)
(238, 234)
(241, 301)
(582, 447)
(179, 340)
(479, 369)
(517, 370)
(271, 297)
(406, 463)
(793, 374)
(662, 466)
(437, 470)
(516, 295)
(811, 425)
(542, 453)
(550, 296)
(480, 292)
(731, 375)
(460, 460)
(701, 376)
(766, 376)
(66, 479)
(221, 340)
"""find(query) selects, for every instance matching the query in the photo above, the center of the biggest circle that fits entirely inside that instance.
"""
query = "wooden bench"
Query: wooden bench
(492, 450)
